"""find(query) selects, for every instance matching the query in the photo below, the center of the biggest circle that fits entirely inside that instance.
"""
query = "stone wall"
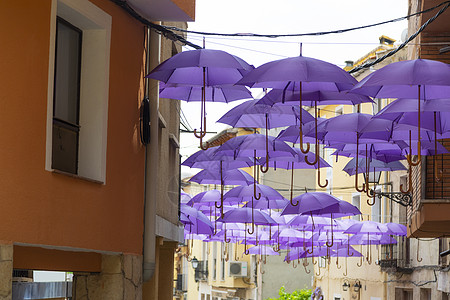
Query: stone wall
(6, 269)
(120, 279)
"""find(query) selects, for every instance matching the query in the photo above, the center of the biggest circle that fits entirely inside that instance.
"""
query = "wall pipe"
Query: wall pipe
(152, 153)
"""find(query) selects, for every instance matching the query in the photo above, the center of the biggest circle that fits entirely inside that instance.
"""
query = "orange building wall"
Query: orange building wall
(41, 207)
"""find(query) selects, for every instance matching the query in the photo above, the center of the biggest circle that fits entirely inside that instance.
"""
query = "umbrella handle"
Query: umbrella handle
(256, 196)
(204, 145)
(409, 182)
(348, 247)
(332, 236)
(266, 168)
(371, 193)
(346, 271)
(358, 264)
(307, 271)
(318, 179)
(356, 172)
(317, 274)
(292, 185)
(437, 176)
(317, 142)
(418, 259)
(409, 158)
(337, 263)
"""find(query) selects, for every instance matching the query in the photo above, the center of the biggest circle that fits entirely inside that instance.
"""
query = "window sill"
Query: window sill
(77, 176)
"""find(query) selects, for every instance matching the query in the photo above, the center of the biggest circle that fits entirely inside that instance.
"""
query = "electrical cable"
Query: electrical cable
(380, 59)
(305, 34)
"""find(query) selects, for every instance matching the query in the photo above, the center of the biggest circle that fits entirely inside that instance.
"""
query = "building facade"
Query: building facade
(87, 196)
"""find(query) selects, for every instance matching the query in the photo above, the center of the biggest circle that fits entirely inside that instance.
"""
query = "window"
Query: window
(78, 85)
(66, 98)
(214, 260)
(222, 261)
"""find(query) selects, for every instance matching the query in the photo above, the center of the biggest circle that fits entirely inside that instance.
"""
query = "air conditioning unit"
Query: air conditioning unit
(237, 268)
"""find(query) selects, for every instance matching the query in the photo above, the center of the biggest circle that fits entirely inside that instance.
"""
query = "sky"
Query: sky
(282, 17)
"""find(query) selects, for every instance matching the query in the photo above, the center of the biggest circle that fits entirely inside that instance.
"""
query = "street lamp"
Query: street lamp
(194, 263)
(401, 198)
(345, 286)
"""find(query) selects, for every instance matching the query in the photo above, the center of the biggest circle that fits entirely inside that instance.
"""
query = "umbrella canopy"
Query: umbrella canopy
(186, 68)
(247, 215)
(374, 165)
(402, 79)
(254, 115)
(367, 227)
(230, 177)
(309, 98)
(224, 93)
(310, 71)
(262, 250)
(245, 193)
(309, 202)
(246, 145)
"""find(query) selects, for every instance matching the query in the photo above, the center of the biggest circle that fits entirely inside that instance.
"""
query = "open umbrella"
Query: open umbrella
(302, 74)
(203, 68)
(415, 79)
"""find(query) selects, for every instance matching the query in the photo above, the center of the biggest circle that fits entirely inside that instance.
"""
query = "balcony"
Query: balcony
(429, 216)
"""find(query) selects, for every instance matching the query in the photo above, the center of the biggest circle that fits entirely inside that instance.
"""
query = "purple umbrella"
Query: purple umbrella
(184, 197)
(296, 162)
(302, 74)
(434, 114)
(230, 177)
(418, 79)
(205, 197)
(224, 93)
(262, 250)
(248, 215)
(309, 98)
(251, 114)
(374, 165)
(256, 145)
(204, 68)
(397, 229)
(310, 201)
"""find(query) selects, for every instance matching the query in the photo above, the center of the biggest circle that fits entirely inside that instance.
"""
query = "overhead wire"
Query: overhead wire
(305, 34)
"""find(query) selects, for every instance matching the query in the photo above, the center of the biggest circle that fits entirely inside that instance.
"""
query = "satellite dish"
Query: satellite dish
(404, 35)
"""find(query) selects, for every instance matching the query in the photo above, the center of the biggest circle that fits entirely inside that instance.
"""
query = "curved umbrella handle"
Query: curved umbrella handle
(256, 196)
(204, 145)
(307, 271)
(348, 247)
(409, 182)
(292, 185)
(346, 270)
(357, 167)
(318, 177)
(332, 236)
(337, 263)
(316, 159)
(409, 157)
(312, 247)
(359, 264)
(266, 168)
(317, 274)
(418, 259)
(419, 148)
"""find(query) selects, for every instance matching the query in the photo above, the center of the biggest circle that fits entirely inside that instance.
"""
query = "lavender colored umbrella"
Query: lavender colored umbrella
(302, 74)
(206, 159)
(205, 197)
(367, 227)
(374, 165)
(245, 193)
(310, 201)
(184, 197)
(371, 239)
(262, 250)
(203, 68)
(416, 79)
(309, 98)
(291, 134)
(254, 115)
(230, 177)
(267, 204)
(250, 114)
(345, 251)
(255, 145)
(248, 215)
(397, 229)
(223, 93)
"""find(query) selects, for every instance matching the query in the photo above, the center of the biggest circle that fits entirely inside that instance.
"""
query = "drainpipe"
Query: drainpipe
(152, 161)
